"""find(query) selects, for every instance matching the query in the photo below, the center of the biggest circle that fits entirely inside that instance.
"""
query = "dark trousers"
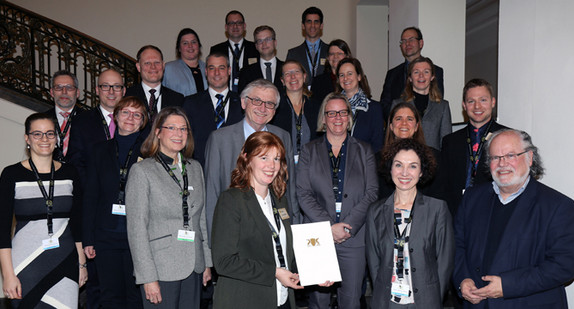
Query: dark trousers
(118, 287)
(92, 286)
(184, 293)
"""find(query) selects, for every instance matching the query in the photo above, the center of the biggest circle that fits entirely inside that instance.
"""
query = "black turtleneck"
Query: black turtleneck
(125, 142)
(421, 102)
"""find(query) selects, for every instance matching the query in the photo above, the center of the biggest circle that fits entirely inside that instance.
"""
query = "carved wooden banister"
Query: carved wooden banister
(33, 47)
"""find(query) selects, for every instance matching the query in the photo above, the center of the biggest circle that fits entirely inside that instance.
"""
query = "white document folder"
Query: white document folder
(315, 253)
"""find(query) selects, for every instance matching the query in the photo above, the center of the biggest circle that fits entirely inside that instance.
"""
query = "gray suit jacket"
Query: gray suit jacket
(154, 216)
(315, 190)
(299, 53)
(431, 244)
(436, 122)
(177, 76)
(223, 148)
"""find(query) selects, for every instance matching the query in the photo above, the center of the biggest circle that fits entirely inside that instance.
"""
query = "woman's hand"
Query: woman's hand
(206, 276)
(339, 232)
(287, 278)
(83, 275)
(90, 252)
(152, 292)
(12, 287)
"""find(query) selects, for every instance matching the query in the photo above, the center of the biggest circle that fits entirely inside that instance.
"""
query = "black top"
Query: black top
(498, 220)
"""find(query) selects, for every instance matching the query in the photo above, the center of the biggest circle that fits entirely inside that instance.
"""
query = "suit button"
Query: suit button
(416, 290)
(477, 269)
(411, 250)
(345, 195)
(414, 269)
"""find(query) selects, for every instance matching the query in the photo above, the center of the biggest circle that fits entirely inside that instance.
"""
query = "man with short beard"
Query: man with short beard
(514, 236)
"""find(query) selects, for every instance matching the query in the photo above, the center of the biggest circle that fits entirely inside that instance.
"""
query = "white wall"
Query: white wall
(12, 119)
(534, 84)
(372, 37)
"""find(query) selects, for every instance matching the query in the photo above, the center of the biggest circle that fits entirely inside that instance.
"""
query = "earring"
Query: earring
(27, 146)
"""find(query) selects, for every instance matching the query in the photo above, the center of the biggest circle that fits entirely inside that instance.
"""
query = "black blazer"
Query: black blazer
(322, 85)
(101, 228)
(249, 51)
(369, 126)
(253, 72)
(299, 53)
(201, 115)
(395, 82)
(78, 110)
(168, 97)
(87, 130)
(284, 116)
(454, 160)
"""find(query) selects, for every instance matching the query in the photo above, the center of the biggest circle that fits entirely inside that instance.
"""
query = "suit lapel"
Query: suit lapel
(389, 215)
(351, 171)
(260, 219)
(419, 218)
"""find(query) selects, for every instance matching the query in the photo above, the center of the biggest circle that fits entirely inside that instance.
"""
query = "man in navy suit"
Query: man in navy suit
(312, 54)
(213, 108)
(96, 125)
(267, 66)
(239, 51)
(150, 65)
(411, 45)
(514, 236)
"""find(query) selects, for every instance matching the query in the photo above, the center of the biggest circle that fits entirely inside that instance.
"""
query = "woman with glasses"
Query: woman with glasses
(186, 75)
(104, 229)
(296, 114)
(368, 122)
(166, 224)
(336, 182)
(422, 91)
(326, 83)
(43, 265)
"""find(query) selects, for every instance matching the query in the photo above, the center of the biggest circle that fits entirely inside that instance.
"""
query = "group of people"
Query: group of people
(197, 173)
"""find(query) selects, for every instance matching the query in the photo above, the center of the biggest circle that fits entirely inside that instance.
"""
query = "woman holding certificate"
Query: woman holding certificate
(336, 182)
(410, 242)
(251, 236)
(165, 211)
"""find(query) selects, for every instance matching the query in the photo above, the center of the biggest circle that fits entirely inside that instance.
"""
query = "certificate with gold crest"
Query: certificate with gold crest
(315, 253)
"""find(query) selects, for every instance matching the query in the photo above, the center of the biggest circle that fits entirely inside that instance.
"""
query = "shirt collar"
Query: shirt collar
(233, 43)
(248, 130)
(513, 196)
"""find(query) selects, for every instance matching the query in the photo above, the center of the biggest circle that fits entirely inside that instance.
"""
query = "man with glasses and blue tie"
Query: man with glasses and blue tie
(514, 236)
(259, 99)
(214, 108)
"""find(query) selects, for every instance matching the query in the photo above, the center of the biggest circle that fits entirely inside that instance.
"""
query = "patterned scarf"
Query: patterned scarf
(359, 101)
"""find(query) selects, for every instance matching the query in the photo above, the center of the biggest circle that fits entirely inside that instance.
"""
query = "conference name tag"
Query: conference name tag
(185, 235)
(50, 243)
(399, 289)
(283, 213)
(119, 209)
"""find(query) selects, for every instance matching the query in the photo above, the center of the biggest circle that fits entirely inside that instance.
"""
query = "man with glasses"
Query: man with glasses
(411, 45)
(150, 65)
(267, 66)
(312, 54)
(259, 99)
(64, 91)
(214, 108)
(240, 51)
(463, 153)
(514, 236)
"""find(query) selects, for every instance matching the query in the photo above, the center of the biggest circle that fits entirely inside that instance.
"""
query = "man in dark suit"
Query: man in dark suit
(312, 54)
(411, 45)
(259, 100)
(514, 236)
(239, 51)
(462, 152)
(213, 108)
(150, 65)
(64, 91)
(96, 125)
(267, 66)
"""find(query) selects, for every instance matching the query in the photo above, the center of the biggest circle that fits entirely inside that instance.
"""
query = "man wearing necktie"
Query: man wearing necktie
(313, 52)
(213, 108)
(240, 52)
(267, 66)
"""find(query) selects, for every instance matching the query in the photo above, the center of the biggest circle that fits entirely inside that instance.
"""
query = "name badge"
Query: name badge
(119, 209)
(296, 159)
(323, 60)
(236, 82)
(185, 235)
(400, 289)
(283, 213)
(338, 206)
(251, 60)
(50, 243)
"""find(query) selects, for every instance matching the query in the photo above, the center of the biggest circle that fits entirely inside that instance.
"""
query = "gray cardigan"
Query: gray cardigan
(154, 216)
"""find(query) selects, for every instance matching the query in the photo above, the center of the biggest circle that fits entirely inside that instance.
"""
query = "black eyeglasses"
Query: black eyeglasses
(105, 87)
(59, 88)
(333, 114)
(38, 135)
(509, 157)
(258, 102)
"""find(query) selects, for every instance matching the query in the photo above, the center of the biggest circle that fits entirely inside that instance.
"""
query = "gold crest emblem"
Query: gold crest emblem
(312, 242)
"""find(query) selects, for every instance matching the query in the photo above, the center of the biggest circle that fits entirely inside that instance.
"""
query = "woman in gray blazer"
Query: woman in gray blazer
(410, 241)
(165, 211)
(422, 91)
(251, 237)
(336, 182)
